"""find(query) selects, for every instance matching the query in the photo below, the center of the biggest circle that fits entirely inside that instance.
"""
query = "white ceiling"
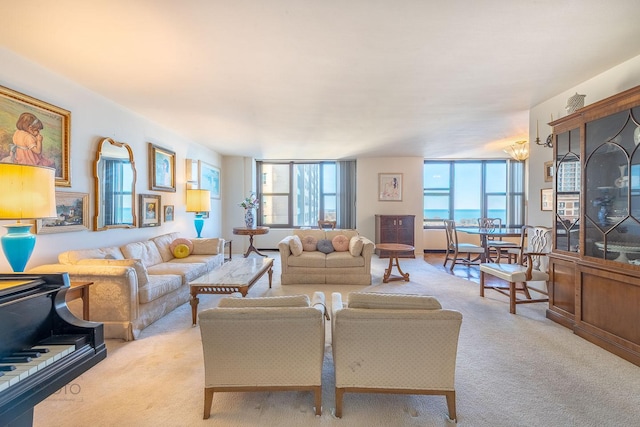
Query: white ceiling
(329, 79)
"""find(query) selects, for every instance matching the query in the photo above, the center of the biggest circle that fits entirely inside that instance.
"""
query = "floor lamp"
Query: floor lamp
(28, 192)
(198, 201)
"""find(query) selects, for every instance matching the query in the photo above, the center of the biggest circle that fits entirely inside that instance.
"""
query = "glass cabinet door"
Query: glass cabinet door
(567, 188)
(612, 192)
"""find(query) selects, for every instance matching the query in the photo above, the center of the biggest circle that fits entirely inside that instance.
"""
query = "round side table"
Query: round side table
(244, 231)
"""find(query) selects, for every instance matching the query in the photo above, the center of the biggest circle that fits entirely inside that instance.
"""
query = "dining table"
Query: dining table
(485, 233)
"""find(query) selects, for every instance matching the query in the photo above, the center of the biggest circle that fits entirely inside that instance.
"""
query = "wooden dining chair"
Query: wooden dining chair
(326, 224)
(454, 248)
(495, 244)
(532, 266)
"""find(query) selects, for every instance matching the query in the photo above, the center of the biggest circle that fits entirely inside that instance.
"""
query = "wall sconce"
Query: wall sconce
(549, 142)
(198, 201)
(28, 192)
(519, 150)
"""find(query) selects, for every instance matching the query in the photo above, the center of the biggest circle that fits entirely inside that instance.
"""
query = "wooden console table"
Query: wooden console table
(80, 290)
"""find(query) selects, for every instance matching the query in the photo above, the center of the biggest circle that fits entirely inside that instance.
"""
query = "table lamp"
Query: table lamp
(28, 192)
(198, 201)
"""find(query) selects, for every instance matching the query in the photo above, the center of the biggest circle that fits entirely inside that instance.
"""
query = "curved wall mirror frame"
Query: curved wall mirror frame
(115, 182)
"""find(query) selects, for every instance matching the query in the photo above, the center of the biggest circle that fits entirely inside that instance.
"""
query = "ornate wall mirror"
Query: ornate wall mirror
(115, 182)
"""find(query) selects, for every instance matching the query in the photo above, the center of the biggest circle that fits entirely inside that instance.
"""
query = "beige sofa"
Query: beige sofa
(137, 283)
(307, 266)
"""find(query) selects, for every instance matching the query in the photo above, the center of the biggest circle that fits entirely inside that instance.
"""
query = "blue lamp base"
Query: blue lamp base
(18, 245)
(198, 222)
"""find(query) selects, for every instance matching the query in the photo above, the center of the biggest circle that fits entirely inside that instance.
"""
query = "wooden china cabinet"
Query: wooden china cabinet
(594, 287)
(395, 229)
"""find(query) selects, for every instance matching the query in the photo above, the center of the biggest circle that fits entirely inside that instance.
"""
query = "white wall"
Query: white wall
(92, 118)
(613, 81)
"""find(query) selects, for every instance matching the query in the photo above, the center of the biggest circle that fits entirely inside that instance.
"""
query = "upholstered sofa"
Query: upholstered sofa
(138, 283)
(326, 256)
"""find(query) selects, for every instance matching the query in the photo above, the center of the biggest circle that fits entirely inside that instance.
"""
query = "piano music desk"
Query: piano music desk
(80, 290)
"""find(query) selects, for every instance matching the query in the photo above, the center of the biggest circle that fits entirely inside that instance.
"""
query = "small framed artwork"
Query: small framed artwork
(209, 179)
(390, 187)
(149, 210)
(168, 213)
(546, 199)
(162, 169)
(36, 133)
(73, 214)
(548, 171)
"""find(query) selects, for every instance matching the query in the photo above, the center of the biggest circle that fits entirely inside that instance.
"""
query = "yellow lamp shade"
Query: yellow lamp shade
(28, 192)
(198, 200)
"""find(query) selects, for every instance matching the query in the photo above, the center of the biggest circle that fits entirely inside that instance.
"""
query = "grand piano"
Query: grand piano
(43, 346)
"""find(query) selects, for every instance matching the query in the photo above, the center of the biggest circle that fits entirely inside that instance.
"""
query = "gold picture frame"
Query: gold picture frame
(162, 169)
(149, 210)
(41, 129)
(548, 171)
(73, 214)
(390, 187)
(546, 199)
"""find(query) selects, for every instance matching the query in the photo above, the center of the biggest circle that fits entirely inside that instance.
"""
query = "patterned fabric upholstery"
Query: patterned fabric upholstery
(371, 337)
(239, 342)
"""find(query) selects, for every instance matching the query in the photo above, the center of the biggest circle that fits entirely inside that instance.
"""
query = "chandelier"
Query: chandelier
(519, 151)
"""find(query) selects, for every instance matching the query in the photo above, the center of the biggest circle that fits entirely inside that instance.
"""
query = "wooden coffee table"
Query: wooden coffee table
(237, 275)
(394, 250)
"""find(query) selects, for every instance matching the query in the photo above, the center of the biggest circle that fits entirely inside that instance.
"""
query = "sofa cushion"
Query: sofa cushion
(340, 243)
(181, 251)
(295, 245)
(374, 300)
(72, 257)
(308, 259)
(206, 246)
(188, 270)
(330, 234)
(141, 271)
(158, 286)
(325, 246)
(279, 301)
(318, 234)
(355, 246)
(147, 252)
(163, 243)
(309, 243)
(211, 261)
(180, 241)
(343, 260)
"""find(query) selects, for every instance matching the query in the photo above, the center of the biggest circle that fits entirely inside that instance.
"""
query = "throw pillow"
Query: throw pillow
(374, 300)
(356, 244)
(340, 243)
(295, 244)
(309, 243)
(325, 246)
(207, 246)
(180, 241)
(141, 270)
(181, 251)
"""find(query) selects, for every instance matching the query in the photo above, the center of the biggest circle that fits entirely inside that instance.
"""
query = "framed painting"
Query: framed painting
(546, 199)
(548, 171)
(73, 214)
(149, 210)
(33, 132)
(209, 179)
(162, 169)
(390, 187)
(191, 174)
(168, 213)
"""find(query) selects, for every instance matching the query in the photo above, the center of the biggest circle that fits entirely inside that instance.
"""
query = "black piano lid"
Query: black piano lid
(10, 285)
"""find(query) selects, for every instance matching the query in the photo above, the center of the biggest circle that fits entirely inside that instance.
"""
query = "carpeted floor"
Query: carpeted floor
(512, 370)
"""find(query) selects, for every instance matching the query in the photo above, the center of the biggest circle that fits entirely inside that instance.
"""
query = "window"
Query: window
(296, 194)
(467, 190)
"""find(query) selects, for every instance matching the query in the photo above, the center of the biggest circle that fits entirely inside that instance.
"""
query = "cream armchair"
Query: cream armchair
(400, 344)
(268, 343)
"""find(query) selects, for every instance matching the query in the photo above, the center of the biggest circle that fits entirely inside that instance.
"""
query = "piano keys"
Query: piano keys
(43, 346)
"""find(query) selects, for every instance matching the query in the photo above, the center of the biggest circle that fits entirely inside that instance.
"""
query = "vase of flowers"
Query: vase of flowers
(250, 204)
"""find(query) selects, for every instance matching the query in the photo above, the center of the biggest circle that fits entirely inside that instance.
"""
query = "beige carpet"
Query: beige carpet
(512, 370)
